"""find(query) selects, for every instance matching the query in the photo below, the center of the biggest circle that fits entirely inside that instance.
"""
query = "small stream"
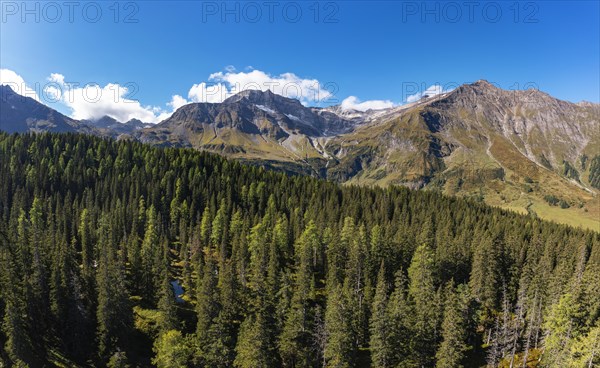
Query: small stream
(177, 290)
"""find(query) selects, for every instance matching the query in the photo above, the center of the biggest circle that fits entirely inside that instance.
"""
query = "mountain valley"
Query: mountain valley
(520, 150)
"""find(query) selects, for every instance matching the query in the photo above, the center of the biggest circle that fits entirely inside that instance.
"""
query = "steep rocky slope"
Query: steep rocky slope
(114, 128)
(518, 149)
(523, 150)
(255, 126)
(22, 114)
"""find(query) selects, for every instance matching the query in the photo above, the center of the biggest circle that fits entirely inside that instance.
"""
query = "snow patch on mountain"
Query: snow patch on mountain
(266, 109)
(293, 117)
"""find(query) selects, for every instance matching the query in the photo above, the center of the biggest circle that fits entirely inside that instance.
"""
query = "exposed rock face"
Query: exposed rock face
(471, 120)
(537, 124)
(510, 148)
(111, 127)
(105, 122)
(253, 125)
(411, 144)
(257, 112)
(22, 114)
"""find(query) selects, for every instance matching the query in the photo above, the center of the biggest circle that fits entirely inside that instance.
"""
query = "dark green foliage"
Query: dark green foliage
(545, 162)
(340, 348)
(276, 270)
(113, 311)
(17, 343)
(166, 305)
(382, 347)
(454, 327)
(570, 171)
(555, 201)
(551, 199)
(595, 172)
(171, 350)
(563, 204)
(296, 341)
(427, 304)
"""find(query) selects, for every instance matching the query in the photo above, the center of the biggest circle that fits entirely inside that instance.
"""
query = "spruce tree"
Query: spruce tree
(87, 251)
(562, 328)
(422, 291)
(253, 346)
(151, 254)
(401, 321)
(18, 344)
(380, 342)
(296, 341)
(166, 305)
(485, 281)
(113, 312)
(340, 348)
(207, 307)
(452, 349)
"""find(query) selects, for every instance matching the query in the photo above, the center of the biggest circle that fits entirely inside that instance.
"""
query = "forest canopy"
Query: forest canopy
(276, 270)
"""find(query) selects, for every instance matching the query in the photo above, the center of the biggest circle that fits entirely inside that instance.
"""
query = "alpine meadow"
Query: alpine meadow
(300, 184)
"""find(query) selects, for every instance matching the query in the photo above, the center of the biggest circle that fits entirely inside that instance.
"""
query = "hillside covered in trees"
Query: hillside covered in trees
(96, 236)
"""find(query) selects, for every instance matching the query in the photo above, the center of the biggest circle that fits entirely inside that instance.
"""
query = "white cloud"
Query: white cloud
(433, 90)
(17, 83)
(214, 93)
(353, 103)
(225, 84)
(93, 101)
(53, 89)
(177, 101)
(57, 78)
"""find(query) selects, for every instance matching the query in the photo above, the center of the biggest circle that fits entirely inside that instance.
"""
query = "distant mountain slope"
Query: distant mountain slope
(19, 114)
(254, 126)
(471, 123)
(22, 114)
(522, 150)
(114, 128)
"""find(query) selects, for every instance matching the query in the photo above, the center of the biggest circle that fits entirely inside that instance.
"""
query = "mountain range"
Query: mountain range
(522, 150)
(19, 114)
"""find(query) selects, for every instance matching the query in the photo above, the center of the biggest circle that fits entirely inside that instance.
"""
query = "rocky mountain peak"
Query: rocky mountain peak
(135, 122)
(105, 122)
(480, 87)
(483, 83)
(5, 88)
(504, 142)
(588, 104)
(258, 97)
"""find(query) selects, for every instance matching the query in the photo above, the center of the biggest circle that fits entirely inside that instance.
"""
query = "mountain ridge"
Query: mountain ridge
(19, 114)
(523, 150)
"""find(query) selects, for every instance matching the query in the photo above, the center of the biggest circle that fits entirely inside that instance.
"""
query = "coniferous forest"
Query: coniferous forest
(119, 254)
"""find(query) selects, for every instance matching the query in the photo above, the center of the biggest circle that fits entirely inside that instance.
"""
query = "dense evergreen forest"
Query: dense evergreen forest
(97, 235)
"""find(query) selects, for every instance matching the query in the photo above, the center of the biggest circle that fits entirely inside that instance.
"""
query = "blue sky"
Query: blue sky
(384, 51)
